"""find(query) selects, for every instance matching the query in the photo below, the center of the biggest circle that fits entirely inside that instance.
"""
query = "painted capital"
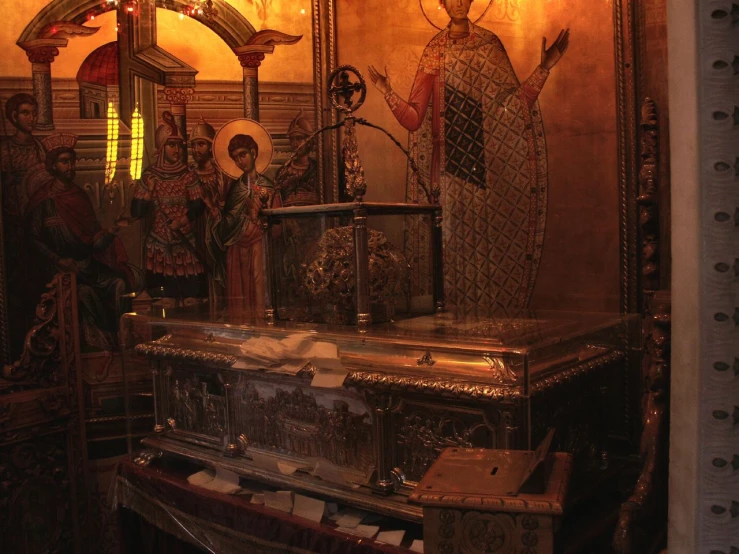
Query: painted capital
(252, 55)
(42, 54)
(43, 51)
(251, 60)
(260, 43)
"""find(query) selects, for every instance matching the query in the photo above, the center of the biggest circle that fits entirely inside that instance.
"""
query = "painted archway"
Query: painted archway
(232, 27)
(60, 20)
(141, 57)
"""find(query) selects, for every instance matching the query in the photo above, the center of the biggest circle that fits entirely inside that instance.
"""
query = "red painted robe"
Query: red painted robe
(78, 216)
(476, 133)
(62, 224)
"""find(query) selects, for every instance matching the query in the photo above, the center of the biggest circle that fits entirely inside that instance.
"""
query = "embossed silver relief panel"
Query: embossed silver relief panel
(276, 417)
(314, 424)
(422, 430)
(195, 406)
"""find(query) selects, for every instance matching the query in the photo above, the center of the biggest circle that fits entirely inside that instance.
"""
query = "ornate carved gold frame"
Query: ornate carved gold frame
(324, 62)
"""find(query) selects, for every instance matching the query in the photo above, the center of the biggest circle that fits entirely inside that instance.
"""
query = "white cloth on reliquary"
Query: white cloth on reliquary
(293, 353)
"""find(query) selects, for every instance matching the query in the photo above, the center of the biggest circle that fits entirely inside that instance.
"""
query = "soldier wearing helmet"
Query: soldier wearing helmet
(215, 187)
(297, 179)
(170, 196)
(211, 177)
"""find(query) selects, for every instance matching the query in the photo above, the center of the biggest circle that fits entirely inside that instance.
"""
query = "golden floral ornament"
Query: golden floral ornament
(330, 280)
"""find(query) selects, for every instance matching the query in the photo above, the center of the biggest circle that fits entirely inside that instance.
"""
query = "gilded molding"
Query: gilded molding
(430, 385)
(624, 39)
(648, 199)
(46, 354)
(511, 504)
(400, 383)
(184, 355)
(324, 62)
(576, 371)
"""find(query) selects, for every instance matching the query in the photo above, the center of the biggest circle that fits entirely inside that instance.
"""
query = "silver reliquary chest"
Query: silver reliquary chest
(361, 416)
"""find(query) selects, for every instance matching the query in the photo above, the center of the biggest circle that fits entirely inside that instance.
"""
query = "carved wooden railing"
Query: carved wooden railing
(49, 345)
(41, 398)
(643, 515)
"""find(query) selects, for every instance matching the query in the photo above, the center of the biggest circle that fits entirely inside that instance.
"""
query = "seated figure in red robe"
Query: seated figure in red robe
(67, 236)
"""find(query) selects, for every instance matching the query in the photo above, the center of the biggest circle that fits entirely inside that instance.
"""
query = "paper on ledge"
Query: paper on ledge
(275, 464)
(391, 537)
(331, 473)
(280, 500)
(308, 508)
(350, 518)
(366, 531)
(225, 481)
(329, 379)
(201, 477)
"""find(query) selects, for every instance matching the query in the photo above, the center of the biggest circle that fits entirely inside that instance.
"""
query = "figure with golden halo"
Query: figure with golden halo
(476, 133)
(243, 150)
(169, 196)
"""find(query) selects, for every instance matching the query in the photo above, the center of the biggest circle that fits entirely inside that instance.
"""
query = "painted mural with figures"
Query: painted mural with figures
(140, 138)
(476, 134)
(86, 207)
(114, 178)
(142, 149)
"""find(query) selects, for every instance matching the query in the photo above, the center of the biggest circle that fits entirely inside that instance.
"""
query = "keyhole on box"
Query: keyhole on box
(494, 471)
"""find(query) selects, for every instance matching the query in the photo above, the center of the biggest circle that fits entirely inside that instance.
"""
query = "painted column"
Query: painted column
(251, 56)
(178, 99)
(41, 58)
(250, 62)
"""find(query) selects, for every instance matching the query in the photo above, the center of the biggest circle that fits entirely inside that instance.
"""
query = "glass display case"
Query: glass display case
(329, 263)
(321, 408)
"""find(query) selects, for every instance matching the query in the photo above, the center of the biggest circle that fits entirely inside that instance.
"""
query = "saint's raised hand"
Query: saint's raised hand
(550, 56)
(381, 82)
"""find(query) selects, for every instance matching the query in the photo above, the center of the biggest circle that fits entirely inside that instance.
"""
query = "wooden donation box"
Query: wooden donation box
(360, 417)
(479, 501)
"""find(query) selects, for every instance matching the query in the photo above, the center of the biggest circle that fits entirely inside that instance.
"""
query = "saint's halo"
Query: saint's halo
(241, 127)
